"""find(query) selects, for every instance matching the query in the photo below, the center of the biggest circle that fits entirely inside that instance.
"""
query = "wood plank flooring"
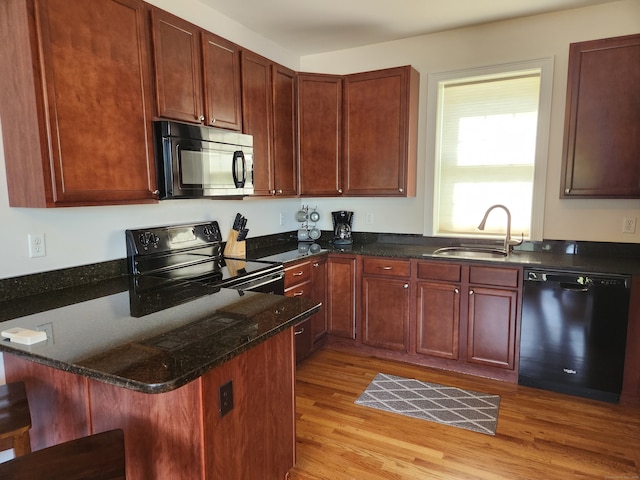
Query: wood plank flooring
(540, 435)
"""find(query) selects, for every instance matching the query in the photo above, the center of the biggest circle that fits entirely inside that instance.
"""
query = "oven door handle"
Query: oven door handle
(255, 284)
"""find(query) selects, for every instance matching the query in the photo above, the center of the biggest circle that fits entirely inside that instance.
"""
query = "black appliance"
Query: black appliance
(574, 331)
(170, 265)
(196, 161)
(342, 222)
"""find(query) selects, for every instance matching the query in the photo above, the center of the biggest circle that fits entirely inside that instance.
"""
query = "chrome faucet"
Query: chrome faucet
(508, 244)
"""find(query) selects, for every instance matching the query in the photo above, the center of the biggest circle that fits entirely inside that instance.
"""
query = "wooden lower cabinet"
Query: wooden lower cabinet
(341, 295)
(385, 303)
(308, 278)
(437, 319)
(491, 333)
(442, 314)
(178, 434)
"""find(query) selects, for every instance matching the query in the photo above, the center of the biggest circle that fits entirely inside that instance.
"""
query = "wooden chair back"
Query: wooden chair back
(95, 457)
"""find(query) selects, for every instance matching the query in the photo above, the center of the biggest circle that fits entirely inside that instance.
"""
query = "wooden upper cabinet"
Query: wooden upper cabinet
(268, 112)
(602, 119)
(320, 130)
(257, 119)
(178, 67)
(63, 91)
(197, 73)
(380, 132)
(284, 131)
(223, 98)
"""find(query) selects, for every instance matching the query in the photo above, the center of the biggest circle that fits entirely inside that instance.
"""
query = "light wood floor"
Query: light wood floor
(540, 435)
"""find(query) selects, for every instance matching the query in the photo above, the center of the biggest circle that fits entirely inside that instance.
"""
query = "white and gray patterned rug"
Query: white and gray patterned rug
(430, 401)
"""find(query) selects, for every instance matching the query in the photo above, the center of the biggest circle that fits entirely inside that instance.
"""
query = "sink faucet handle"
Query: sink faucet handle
(513, 243)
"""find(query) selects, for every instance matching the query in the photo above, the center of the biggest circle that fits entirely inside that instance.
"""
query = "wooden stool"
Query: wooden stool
(15, 419)
(99, 456)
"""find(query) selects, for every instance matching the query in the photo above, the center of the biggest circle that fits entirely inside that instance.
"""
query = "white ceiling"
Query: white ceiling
(313, 26)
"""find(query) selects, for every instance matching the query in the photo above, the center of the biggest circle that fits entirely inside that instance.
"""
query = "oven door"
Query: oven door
(193, 168)
(272, 282)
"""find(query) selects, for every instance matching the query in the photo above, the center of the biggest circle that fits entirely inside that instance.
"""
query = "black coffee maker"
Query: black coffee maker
(342, 227)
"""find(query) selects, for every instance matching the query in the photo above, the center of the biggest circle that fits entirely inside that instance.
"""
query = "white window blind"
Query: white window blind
(485, 152)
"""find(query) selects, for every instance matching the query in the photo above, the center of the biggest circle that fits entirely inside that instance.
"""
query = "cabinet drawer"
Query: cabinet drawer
(298, 273)
(445, 272)
(504, 277)
(298, 290)
(386, 267)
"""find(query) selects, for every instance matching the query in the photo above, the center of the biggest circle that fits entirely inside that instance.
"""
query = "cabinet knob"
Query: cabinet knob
(201, 118)
(316, 264)
(470, 292)
(339, 190)
(279, 192)
(456, 291)
(401, 190)
(406, 285)
(156, 192)
(213, 120)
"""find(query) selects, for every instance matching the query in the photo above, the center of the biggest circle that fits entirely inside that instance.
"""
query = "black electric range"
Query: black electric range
(174, 264)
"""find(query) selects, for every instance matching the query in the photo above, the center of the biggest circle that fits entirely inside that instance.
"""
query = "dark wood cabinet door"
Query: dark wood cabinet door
(438, 319)
(222, 94)
(178, 67)
(320, 127)
(602, 133)
(341, 295)
(491, 331)
(319, 294)
(67, 142)
(380, 125)
(385, 312)
(284, 131)
(257, 117)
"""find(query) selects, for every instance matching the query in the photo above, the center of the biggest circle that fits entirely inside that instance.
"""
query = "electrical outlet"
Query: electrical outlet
(48, 329)
(226, 398)
(369, 219)
(629, 225)
(37, 247)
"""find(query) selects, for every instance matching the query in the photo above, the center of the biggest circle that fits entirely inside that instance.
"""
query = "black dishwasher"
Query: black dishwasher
(574, 331)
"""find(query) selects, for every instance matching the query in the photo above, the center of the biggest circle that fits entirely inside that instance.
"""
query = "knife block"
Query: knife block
(235, 248)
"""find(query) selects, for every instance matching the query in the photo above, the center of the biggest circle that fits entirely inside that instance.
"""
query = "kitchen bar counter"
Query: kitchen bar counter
(99, 339)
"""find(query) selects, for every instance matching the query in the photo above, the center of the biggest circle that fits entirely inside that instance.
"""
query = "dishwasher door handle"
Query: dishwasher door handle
(574, 287)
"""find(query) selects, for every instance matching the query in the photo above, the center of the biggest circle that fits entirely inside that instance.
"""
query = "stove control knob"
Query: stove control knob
(144, 239)
(154, 239)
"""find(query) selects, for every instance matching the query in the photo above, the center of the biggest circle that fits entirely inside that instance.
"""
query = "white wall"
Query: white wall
(497, 43)
(77, 236)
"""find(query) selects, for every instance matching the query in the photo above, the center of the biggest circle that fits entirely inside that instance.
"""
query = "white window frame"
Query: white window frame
(542, 140)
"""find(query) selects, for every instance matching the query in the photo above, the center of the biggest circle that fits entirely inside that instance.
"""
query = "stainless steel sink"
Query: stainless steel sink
(481, 253)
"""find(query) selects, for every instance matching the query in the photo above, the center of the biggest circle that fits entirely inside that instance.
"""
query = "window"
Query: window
(490, 131)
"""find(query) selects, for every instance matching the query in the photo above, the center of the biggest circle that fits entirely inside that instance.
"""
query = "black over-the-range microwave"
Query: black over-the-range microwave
(196, 161)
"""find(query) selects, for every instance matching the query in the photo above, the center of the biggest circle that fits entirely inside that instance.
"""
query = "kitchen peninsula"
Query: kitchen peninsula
(159, 378)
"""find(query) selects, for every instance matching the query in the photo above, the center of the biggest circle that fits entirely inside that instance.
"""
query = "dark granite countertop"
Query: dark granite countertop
(586, 257)
(159, 352)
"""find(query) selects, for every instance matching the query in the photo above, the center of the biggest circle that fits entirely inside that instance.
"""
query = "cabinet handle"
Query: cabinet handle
(386, 268)
(298, 294)
(456, 291)
(156, 192)
(406, 285)
(470, 292)
(297, 274)
(299, 332)
(316, 264)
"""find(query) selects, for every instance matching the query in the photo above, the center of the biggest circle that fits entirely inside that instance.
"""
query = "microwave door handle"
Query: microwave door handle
(239, 155)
